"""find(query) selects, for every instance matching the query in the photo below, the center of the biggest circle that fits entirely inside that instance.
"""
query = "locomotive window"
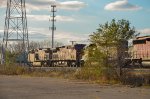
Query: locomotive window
(139, 42)
(36, 56)
(58, 48)
(63, 46)
(148, 39)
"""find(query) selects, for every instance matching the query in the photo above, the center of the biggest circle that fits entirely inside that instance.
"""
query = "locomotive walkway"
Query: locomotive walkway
(17, 87)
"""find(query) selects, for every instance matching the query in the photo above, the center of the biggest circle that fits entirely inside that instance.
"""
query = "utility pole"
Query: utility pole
(16, 30)
(73, 42)
(53, 28)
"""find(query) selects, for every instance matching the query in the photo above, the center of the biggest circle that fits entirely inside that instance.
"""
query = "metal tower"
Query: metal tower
(15, 30)
(53, 28)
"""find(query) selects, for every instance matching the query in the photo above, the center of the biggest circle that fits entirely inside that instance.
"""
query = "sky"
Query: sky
(77, 19)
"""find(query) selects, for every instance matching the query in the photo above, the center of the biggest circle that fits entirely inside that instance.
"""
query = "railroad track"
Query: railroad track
(55, 68)
(137, 71)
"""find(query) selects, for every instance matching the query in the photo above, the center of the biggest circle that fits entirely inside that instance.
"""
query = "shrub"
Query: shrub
(97, 73)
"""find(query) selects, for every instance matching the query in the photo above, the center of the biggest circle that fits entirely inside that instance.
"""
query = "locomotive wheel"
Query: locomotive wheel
(73, 64)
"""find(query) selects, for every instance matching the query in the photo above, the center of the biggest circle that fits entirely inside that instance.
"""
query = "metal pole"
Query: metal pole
(16, 27)
(53, 29)
(53, 23)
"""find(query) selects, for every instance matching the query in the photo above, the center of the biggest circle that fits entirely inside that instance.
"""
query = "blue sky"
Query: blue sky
(77, 19)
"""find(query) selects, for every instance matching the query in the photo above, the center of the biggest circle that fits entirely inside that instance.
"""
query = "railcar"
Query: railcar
(140, 53)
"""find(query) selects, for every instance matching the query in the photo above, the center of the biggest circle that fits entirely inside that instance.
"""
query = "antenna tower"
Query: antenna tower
(53, 28)
(15, 30)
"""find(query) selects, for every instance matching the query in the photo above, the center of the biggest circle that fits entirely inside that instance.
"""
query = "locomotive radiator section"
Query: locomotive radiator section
(64, 56)
(37, 56)
(139, 54)
(58, 57)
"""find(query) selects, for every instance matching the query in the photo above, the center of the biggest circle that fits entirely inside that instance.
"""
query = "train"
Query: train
(71, 55)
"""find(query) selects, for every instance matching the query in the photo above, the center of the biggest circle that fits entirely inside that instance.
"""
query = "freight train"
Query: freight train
(72, 55)
(60, 56)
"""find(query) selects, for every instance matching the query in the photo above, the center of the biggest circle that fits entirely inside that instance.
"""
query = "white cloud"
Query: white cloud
(145, 31)
(30, 7)
(38, 17)
(38, 5)
(71, 5)
(1, 30)
(64, 18)
(47, 17)
(60, 36)
(67, 5)
(121, 5)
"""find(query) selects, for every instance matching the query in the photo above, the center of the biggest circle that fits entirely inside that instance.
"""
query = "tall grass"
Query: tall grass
(13, 69)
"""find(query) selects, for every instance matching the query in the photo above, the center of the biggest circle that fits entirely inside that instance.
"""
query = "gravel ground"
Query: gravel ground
(18, 87)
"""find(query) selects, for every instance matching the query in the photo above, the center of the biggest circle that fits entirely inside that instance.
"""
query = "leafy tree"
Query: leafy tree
(113, 31)
(112, 34)
(105, 40)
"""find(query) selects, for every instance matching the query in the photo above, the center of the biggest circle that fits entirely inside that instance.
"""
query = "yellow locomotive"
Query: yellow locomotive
(60, 56)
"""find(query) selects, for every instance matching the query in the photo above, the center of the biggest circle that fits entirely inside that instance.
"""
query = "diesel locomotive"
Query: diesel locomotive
(70, 55)
(139, 54)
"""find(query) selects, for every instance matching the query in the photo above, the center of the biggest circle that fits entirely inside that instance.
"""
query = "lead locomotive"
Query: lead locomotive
(60, 56)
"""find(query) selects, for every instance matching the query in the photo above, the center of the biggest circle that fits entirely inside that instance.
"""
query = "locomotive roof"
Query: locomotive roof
(143, 37)
(141, 40)
(66, 46)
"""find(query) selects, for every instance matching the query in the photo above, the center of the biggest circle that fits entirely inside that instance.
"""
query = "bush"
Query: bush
(13, 70)
(97, 73)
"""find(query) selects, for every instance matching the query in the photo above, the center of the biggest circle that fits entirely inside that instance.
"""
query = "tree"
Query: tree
(111, 35)
(107, 41)
(113, 31)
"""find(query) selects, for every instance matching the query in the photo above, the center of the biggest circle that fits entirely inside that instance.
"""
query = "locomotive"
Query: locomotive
(70, 55)
(140, 52)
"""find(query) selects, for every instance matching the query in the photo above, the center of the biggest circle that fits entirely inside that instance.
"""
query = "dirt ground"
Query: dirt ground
(18, 87)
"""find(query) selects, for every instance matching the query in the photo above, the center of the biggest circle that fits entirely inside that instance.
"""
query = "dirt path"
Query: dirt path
(50, 88)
